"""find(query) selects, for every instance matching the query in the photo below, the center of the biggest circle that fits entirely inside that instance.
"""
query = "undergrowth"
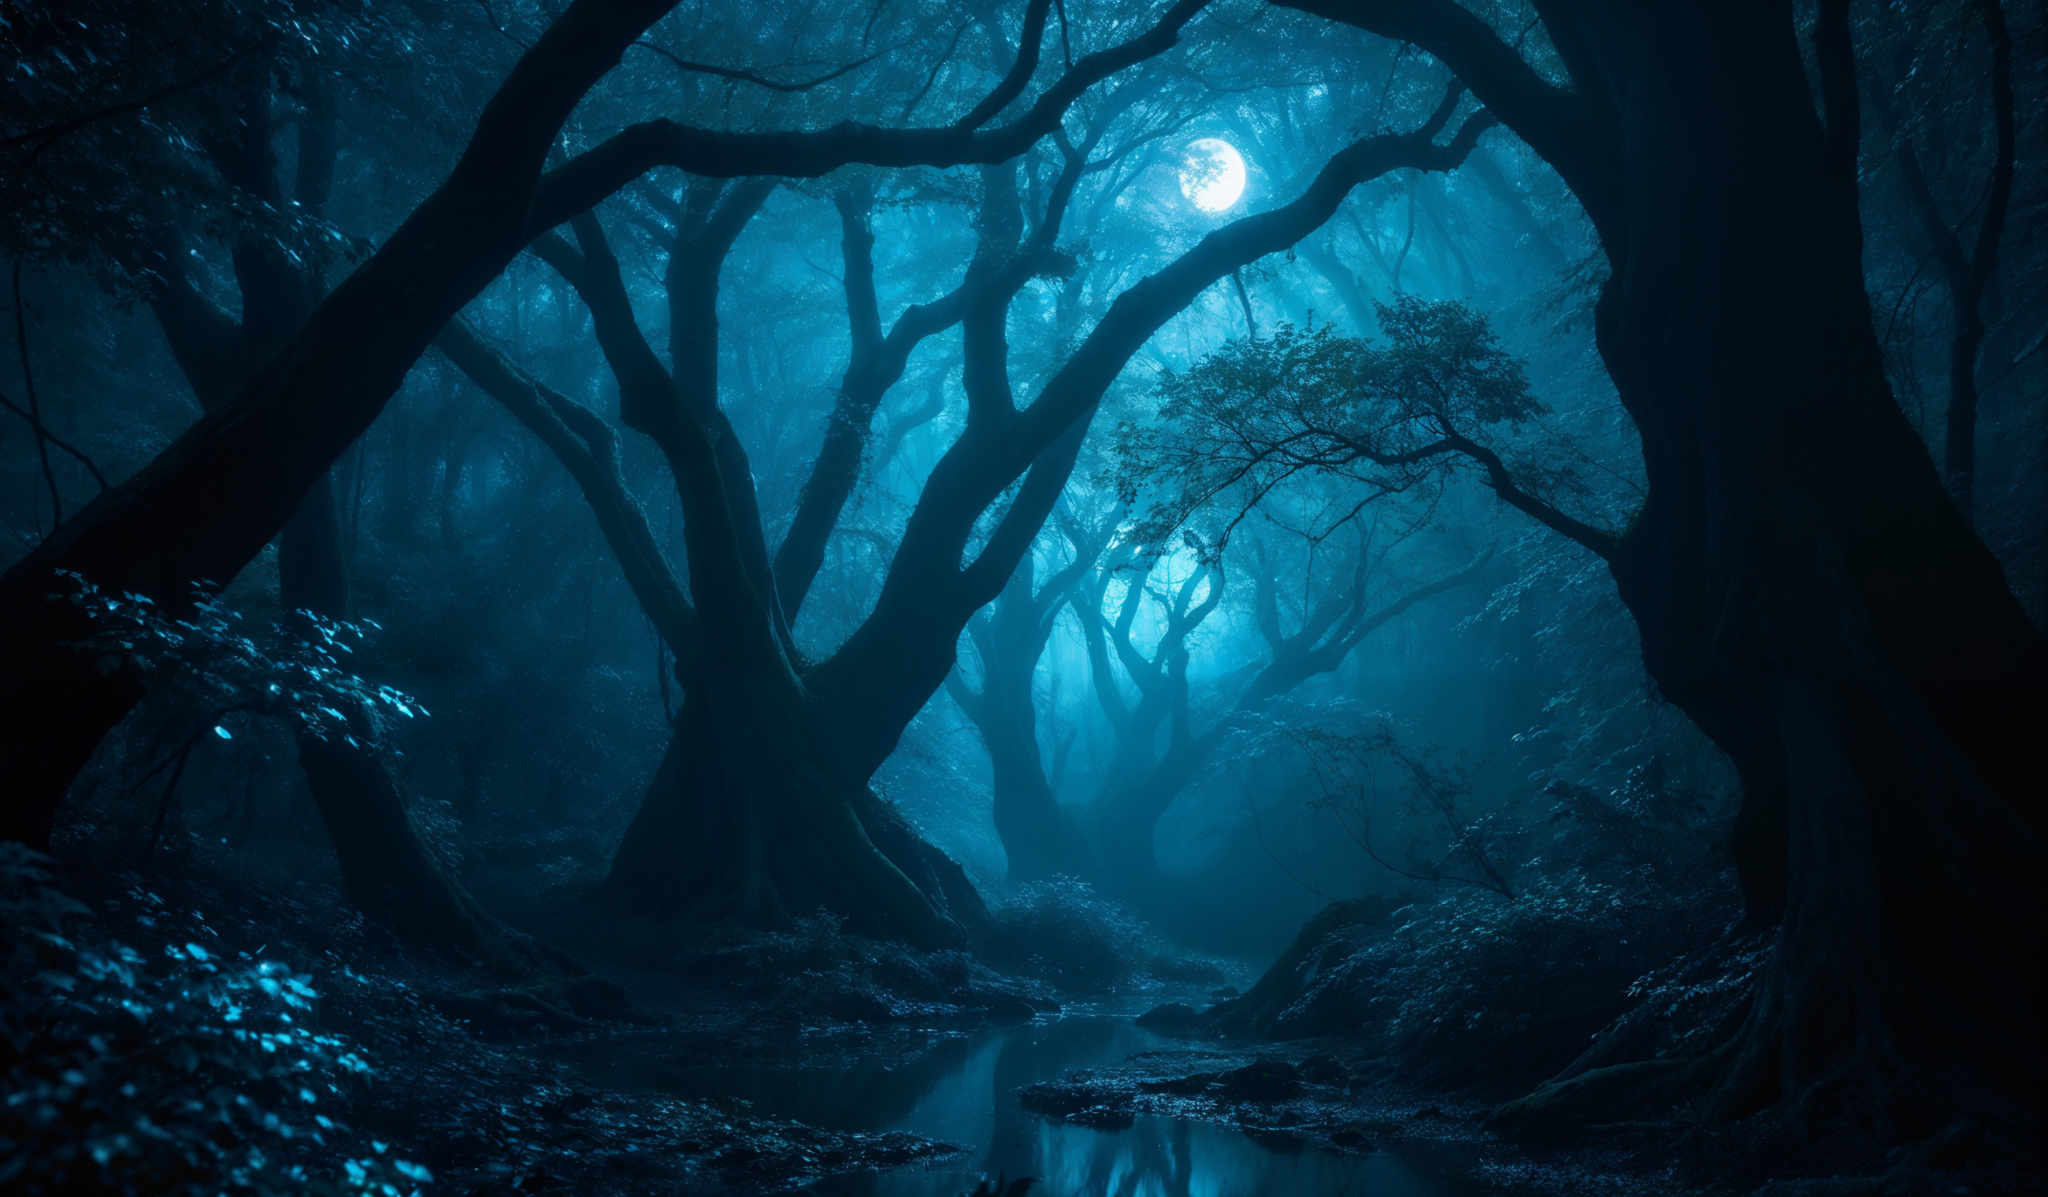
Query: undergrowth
(171, 1065)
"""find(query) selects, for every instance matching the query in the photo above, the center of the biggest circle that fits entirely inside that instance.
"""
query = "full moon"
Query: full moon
(1212, 176)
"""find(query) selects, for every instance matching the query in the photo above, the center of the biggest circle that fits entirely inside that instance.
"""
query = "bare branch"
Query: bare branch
(743, 75)
(598, 172)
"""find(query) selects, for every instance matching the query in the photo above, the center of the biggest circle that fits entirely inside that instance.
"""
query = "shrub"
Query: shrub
(1065, 933)
(171, 1070)
(1469, 990)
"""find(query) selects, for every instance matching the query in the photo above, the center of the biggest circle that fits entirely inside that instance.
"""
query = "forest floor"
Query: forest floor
(162, 1032)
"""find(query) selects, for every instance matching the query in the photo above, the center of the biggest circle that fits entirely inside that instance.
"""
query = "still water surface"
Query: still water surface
(964, 1091)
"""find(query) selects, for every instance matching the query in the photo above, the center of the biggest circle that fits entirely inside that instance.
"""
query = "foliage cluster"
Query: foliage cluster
(1395, 416)
(1468, 990)
(1499, 979)
(179, 1069)
(296, 670)
(131, 119)
(1065, 932)
(814, 969)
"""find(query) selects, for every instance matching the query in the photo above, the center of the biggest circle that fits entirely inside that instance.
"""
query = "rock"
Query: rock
(595, 997)
(1171, 1017)
(1077, 1103)
(1102, 1117)
(1262, 1080)
(1008, 1006)
(1324, 1069)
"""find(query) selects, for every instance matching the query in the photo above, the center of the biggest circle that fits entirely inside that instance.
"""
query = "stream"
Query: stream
(963, 1090)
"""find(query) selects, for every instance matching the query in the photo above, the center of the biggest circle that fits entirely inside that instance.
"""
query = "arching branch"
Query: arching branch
(598, 172)
(588, 448)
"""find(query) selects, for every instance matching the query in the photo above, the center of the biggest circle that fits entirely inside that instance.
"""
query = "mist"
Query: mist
(1059, 597)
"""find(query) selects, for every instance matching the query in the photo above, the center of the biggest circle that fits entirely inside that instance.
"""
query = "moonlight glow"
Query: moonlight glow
(1213, 175)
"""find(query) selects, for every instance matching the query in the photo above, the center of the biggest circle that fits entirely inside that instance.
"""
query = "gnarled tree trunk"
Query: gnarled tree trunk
(1804, 587)
(1807, 591)
(747, 818)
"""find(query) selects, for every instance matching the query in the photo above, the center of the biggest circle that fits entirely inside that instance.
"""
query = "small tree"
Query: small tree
(1401, 416)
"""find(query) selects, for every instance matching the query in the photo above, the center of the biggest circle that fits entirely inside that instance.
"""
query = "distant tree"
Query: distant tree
(1156, 725)
(1040, 837)
(1162, 743)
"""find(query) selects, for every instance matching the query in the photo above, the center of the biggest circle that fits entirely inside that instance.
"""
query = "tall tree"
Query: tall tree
(1804, 586)
(761, 806)
(224, 489)
(387, 868)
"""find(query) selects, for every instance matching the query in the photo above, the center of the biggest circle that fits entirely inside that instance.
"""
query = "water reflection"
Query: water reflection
(963, 1090)
(976, 1103)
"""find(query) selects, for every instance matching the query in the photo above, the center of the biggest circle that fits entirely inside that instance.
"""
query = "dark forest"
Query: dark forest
(1185, 598)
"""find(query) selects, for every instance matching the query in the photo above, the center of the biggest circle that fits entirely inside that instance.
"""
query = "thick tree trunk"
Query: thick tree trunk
(387, 870)
(741, 822)
(1128, 854)
(745, 817)
(1804, 587)
(1808, 593)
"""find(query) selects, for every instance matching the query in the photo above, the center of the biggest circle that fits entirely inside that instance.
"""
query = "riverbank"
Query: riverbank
(168, 1032)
